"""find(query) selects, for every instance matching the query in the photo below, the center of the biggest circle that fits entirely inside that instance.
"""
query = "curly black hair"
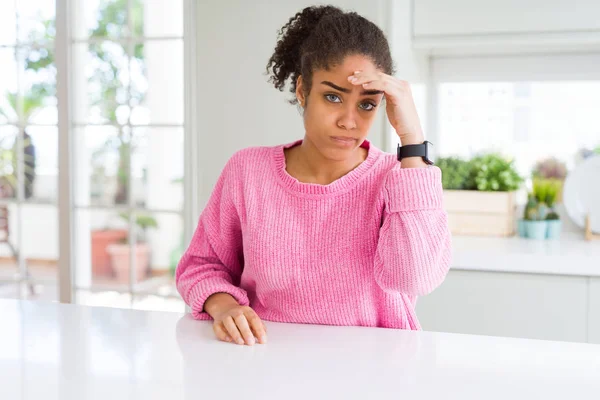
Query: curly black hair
(321, 37)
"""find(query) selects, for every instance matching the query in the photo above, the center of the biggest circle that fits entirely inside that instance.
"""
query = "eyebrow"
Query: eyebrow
(341, 89)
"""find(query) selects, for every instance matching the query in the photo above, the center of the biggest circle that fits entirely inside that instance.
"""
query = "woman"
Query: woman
(328, 229)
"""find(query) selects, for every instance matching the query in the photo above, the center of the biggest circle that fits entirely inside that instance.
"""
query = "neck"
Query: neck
(318, 169)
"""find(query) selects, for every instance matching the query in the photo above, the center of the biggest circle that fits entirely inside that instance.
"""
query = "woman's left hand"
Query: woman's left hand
(400, 106)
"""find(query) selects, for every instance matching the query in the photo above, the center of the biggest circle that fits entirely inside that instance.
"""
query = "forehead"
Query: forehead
(346, 68)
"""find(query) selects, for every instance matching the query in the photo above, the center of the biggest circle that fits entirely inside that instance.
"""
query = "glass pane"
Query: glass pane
(101, 83)
(157, 168)
(36, 21)
(38, 77)
(41, 163)
(104, 255)
(8, 86)
(159, 18)
(102, 162)
(100, 19)
(100, 238)
(9, 233)
(40, 249)
(8, 23)
(160, 246)
(526, 120)
(157, 83)
(8, 162)
(121, 259)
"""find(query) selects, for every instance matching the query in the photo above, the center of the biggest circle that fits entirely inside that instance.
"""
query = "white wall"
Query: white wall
(411, 65)
(472, 17)
(476, 27)
(237, 107)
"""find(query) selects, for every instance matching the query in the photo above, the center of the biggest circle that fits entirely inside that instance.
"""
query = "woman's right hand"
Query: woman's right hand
(234, 323)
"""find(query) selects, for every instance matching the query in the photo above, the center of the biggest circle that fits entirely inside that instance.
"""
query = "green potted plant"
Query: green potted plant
(479, 194)
(527, 211)
(535, 219)
(493, 173)
(537, 211)
(120, 253)
(553, 190)
(8, 168)
(455, 172)
(21, 111)
(540, 219)
(551, 168)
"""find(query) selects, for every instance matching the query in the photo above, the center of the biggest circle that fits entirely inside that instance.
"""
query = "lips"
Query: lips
(344, 138)
(344, 142)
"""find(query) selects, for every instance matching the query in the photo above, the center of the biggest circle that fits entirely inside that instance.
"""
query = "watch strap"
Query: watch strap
(414, 150)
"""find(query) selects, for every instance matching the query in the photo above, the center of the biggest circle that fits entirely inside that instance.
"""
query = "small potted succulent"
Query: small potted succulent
(540, 220)
(535, 225)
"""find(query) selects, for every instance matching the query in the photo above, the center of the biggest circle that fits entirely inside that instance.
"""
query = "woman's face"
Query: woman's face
(337, 114)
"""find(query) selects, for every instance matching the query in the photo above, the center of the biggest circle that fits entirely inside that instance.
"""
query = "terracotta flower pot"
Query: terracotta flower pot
(101, 262)
(119, 254)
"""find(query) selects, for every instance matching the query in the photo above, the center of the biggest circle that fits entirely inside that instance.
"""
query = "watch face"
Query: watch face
(427, 158)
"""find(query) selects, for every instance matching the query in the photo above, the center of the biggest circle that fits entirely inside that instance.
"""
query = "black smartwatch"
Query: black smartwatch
(422, 150)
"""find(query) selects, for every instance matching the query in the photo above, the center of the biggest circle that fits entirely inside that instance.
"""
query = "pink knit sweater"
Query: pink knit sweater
(355, 252)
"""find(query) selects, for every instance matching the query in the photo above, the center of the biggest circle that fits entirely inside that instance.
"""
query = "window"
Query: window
(526, 120)
(28, 150)
(128, 132)
(526, 107)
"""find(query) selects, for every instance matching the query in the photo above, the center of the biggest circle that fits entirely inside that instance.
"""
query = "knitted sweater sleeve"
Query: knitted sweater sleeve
(213, 261)
(414, 250)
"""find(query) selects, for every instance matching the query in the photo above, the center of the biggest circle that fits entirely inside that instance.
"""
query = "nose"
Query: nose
(348, 118)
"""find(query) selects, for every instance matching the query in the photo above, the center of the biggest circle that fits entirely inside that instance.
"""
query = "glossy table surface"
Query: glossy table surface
(68, 352)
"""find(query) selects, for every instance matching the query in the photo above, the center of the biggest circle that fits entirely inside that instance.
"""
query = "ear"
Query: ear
(300, 91)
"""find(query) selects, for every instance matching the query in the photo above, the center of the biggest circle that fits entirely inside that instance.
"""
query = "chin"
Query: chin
(339, 154)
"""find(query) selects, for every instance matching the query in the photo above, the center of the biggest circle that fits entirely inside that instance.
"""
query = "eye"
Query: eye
(369, 106)
(329, 97)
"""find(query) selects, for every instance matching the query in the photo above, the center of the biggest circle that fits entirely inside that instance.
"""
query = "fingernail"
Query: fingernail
(251, 342)
(240, 341)
(263, 339)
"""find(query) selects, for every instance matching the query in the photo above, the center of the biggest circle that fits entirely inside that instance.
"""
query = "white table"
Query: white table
(67, 352)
